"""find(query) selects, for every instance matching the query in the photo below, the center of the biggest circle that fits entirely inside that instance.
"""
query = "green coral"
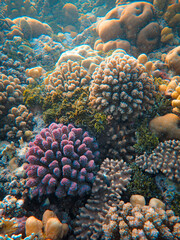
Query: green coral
(142, 183)
(146, 140)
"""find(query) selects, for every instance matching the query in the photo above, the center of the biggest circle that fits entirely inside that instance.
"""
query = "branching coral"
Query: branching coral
(111, 180)
(164, 158)
(121, 87)
(140, 222)
(61, 160)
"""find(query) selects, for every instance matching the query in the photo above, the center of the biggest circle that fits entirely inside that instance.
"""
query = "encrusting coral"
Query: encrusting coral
(121, 87)
(111, 180)
(61, 160)
(164, 158)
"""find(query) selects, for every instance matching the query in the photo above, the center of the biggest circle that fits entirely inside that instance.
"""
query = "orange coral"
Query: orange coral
(49, 228)
(173, 59)
(32, 27)
(166, 126)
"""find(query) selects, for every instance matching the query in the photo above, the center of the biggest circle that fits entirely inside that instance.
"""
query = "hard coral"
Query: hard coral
(19, 123)
(69, 77)
(132, 22)
(111, 180)
(32, 27)
(166, 127)
(121, 87)
(61, 160)
(140, 222)
(49, 228)
(164, 158)
(173, 60)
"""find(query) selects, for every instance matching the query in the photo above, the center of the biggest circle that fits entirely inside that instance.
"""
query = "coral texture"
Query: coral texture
(49, 228)
(88, 57)
(140, 222)
(121, 87)
(70, 76)
(110, 181)
(62, 159)
(166, 127)
(119, 141)
(134, 22)
(32, 27)
(19, 123)
(164, 158)
(173, 59)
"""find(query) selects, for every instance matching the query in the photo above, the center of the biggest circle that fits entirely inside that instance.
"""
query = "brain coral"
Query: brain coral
(121, 87)
(111, 180)
(140, 222)
(62, 159)
(165, 158)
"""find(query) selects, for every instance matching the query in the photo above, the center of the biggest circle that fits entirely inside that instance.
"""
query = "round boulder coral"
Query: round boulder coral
(61, 160)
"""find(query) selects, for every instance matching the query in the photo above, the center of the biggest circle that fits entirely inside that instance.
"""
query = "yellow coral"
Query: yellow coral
(166, 35)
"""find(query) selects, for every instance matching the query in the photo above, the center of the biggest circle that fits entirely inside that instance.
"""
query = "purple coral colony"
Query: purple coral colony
(89, 120)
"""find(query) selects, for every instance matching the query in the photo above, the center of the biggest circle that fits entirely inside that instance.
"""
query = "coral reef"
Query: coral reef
(12, 183)
(140, 222)
(19, 123)
(12, 207)
(31, 27)
(166, 127)
(121, 87)
(46, 51)
(111, 180)
(172, 16)
(17, 8)
(134, 22)
(61, 160)
(169, 191)
(16, 120)
(173, 60)
(146, 140)
(70, 76)
(164, 158)
(84, 55)
(9, 66)
(50, 224)
(118, 140)
(141, 183)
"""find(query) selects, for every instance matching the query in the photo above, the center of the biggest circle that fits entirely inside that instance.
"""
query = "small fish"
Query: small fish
(106, 180)
(25, 48)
